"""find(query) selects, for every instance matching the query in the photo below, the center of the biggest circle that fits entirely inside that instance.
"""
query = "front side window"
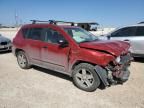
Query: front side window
(35, 34)
(80, 35)
(140, 31)
(52, 36)
(124, 32)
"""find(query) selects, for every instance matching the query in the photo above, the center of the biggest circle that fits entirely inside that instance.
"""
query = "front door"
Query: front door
(53, 56)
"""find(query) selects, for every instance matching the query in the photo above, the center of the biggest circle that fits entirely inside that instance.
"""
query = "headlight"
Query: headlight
(118, 59)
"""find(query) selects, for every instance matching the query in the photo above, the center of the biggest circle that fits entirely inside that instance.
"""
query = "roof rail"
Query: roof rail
(52, 22)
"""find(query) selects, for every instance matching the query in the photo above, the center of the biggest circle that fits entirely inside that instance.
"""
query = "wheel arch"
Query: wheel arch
(17, 50)
(26, 55)
(102, 77)
(81, 61)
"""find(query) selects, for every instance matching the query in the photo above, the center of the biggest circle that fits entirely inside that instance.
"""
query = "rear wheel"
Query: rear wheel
(22, 60)
(85, 77)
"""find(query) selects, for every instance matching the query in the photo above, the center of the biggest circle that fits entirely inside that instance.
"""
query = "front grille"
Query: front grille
(3, 43)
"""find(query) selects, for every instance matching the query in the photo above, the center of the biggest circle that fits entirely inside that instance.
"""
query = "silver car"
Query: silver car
(132, 34)
(5, 44)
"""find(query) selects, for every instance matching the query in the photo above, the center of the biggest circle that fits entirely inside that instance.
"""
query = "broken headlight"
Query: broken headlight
(118, 59)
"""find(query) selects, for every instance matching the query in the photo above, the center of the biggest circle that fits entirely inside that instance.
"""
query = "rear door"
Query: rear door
(33, 44)
(125, 34)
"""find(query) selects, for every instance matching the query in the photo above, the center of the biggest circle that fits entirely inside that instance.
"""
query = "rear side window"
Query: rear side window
(124, 32)
(35, 34)
(140, 31)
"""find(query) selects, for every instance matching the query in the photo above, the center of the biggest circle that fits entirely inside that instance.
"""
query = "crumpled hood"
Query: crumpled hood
(3, 39)
(113, 47)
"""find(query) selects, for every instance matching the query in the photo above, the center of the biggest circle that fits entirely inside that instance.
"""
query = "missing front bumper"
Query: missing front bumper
(115, 73)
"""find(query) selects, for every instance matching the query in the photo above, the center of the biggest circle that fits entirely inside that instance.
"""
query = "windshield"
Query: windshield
(80, 35)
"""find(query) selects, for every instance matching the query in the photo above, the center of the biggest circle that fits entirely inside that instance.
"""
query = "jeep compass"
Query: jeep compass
(73, 51)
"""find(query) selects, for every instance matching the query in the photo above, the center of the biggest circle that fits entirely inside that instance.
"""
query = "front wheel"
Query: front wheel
(85, 77)
(22, 60)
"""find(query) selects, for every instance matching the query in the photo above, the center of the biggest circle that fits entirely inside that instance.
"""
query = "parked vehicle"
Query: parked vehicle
(5, 44)
(89, 26)
(73, 51)
(133, 35)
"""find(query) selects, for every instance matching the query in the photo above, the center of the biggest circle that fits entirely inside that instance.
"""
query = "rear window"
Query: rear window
(140, 31)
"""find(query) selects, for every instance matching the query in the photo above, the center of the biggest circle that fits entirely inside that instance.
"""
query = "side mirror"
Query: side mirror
(63, 43)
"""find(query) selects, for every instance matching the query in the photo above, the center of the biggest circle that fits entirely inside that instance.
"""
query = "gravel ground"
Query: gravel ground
(41, 88)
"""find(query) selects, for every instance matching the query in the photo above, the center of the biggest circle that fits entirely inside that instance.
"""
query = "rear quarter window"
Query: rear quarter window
(25, 32)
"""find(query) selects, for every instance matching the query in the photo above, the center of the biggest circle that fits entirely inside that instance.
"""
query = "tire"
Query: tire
(85, 77)
(22, 60)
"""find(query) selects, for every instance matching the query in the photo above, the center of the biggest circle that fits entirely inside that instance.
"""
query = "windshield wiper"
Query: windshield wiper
(89, 40)
(85, 41)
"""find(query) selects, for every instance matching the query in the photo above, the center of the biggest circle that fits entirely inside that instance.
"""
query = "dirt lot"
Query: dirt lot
(40, 88)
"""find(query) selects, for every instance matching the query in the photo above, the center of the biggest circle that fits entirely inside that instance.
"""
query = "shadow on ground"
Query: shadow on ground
(60, 75)
(139, 59)
(54, 73)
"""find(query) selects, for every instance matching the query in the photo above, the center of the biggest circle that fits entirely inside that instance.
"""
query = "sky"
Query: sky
(108, 13)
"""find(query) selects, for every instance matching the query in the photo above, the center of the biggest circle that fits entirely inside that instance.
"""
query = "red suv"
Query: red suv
(73, 51)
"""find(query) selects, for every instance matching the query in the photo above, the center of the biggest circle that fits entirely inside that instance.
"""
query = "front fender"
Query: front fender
(90, 56)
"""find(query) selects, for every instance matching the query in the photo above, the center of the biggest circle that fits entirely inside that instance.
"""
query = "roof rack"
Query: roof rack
(55, 22)
(52, 22)
(141, 22)
(85, 25)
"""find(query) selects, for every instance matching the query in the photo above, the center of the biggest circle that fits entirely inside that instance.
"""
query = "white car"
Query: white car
(5, 44)
(133, 34)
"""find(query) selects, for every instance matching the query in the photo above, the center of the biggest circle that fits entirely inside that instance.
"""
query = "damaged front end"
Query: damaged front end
(116, 72)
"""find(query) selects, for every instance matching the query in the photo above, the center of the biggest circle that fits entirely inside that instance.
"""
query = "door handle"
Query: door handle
(45, 47)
